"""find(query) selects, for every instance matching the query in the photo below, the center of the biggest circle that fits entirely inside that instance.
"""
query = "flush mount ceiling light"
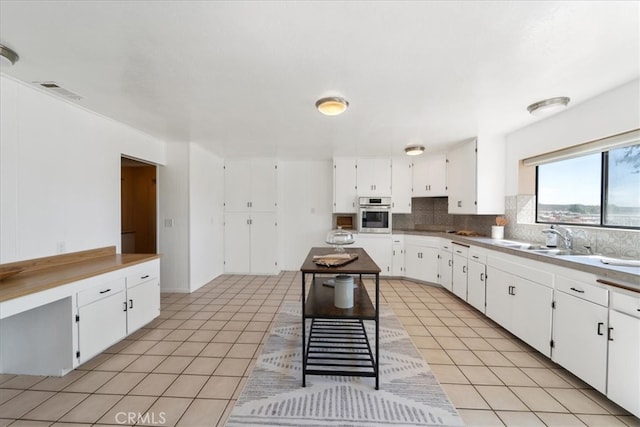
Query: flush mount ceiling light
(548, 106)
(7, 56)
(332, 105)
(414, 149)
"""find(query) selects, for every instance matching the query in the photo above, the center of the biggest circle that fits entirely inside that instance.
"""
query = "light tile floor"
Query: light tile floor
(188, 367)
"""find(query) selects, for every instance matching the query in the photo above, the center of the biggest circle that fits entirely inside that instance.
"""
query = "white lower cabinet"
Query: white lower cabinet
(102, 318)
(380, 249)
(520, 305)
(476, 279)
(580, 329)
(110, 311)
(421, 258)
(445, 265)
(459, 285)
(623, 381)
(397, 268)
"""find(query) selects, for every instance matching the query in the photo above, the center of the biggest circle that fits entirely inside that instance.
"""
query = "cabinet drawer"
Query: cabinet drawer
(583, 290)
(101, 291)
(461, 250)
(477, 256)
(143, 273)
(626, 304)
(446, 245)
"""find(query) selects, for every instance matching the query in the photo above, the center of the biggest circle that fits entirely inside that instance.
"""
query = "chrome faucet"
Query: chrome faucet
(564, 233)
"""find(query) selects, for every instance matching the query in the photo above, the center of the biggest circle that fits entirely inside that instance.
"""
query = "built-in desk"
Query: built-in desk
(63, 310)
(338, 343)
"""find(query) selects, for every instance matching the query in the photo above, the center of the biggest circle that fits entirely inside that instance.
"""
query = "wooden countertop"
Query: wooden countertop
(362, 265)
(45, 273)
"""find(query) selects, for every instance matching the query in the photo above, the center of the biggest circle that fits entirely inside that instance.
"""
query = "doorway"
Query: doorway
(138, 197)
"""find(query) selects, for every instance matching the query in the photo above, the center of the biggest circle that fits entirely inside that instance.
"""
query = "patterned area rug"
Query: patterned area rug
(409, 394)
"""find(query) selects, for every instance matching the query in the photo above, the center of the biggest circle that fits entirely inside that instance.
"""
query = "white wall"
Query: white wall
(206, 190)
(60, 173)
(608, 114)
(305, 207)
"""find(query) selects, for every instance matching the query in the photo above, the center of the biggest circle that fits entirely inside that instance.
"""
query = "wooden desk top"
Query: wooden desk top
(363, 265)
(46, 273)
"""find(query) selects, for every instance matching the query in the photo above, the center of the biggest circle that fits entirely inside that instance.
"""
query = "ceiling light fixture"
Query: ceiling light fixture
(7, 56)
(332, 105)
(548, 106)
(414, 149)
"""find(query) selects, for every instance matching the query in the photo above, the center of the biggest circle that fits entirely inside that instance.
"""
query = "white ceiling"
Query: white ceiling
(241, 78)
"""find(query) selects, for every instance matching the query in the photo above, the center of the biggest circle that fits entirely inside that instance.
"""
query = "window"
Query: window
(599, 189)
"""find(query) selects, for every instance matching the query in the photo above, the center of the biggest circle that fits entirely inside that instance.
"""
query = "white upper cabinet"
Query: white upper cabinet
(475, 177)
(401, 181)
(250, 185)
(344, 185)
(430, 176)
(374, 177)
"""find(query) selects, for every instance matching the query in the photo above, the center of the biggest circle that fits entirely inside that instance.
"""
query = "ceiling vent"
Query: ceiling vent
(59, 90)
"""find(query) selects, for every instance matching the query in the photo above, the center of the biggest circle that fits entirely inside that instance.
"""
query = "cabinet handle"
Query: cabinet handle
(512, 290)
(580, 291)
(464, 268)
(600, 325)
(482, 277)
(450, 263)
(125, 306)
(459, 203)
(145, 276)
(609, 337)
(105, 291)
(130, 303)
(474, 256)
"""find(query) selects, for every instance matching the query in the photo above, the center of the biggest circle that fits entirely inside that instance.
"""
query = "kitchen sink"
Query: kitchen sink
(556, 252)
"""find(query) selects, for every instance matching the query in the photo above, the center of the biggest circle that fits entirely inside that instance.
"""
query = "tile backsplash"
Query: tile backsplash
(431, 213)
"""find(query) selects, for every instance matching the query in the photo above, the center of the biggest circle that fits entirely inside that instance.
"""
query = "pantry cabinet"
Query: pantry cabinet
(475, 177)
(401, 182)
(345, 187)
(373, 177)
(250, 185)
(430, 176)
(250, 242)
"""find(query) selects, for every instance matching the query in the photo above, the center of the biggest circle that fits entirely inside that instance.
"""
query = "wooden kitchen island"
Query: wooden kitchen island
(338, 343)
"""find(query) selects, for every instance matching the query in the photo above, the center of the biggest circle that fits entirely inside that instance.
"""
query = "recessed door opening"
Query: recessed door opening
(138, 195)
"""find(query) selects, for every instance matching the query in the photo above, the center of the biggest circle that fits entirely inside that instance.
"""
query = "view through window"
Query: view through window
(601, 189)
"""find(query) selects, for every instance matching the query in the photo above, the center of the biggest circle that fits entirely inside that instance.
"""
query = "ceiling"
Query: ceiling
(241, 78)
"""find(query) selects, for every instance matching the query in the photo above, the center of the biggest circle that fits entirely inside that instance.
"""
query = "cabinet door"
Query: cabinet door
(421, 263)
(237, 185)
(398, 259)
(374, 177)
(532, 314)
(263, 185)
(379, 248)
(459, 286)
(580, 329)
(344, 185)
(499, 301)
(476, 284)
(237, 243)
(101, 324)
(143, 304)
(445, 270)
(264, 235)
(624, 366)
(412, 262)
(461, 179)
(430, 176)
(401, 184)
